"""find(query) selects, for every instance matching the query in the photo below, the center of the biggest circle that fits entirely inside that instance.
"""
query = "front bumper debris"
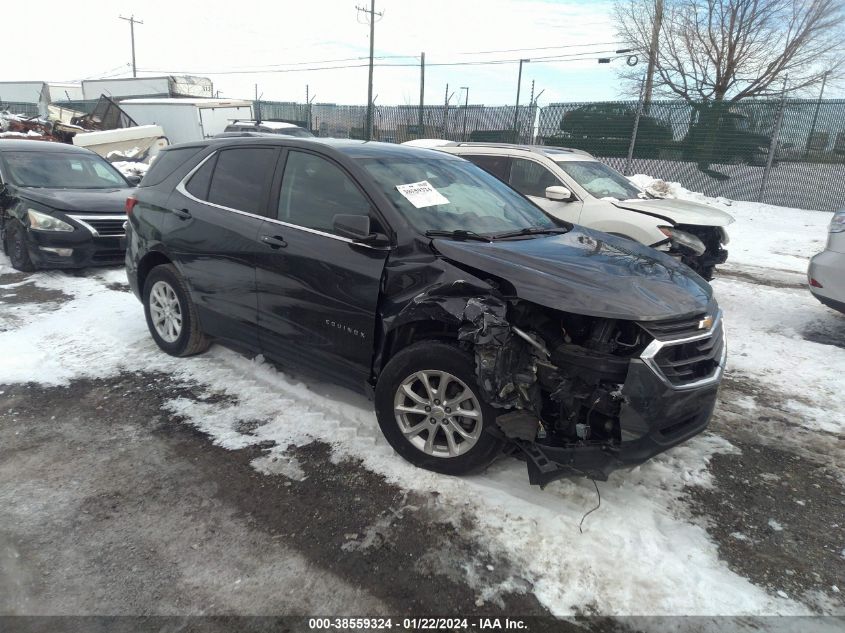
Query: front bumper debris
(86, 249)
(654, 418)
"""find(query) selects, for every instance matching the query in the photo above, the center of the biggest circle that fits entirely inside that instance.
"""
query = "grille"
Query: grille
(675, 328)
(108, 227)
(685, 363)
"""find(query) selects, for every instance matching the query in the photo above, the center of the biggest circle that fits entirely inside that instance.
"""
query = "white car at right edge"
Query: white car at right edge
(826, 275)
(574, 186)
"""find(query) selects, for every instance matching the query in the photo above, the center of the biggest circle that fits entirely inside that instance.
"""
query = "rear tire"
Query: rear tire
(171, 315)
(17, 248)
(431, 410)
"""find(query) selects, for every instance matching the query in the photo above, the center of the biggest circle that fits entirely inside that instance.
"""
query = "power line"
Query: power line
(255, 68)
(580, 56)
(538, 48)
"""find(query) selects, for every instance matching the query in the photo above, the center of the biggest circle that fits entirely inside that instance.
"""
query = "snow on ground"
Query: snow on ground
(639, 553)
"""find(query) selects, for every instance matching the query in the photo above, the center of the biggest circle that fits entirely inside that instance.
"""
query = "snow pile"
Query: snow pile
(29, 134)
(131, 168)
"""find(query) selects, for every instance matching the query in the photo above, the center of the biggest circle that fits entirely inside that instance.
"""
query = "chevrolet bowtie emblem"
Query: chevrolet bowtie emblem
(706, 323)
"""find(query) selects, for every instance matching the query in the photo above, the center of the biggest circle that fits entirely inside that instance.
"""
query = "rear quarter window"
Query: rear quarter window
(166, 163)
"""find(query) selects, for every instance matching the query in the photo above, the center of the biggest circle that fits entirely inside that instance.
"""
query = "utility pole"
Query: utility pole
(516, 109)
(447, 98)
(132, 22)
(652, 52)
(773, 146)
(308, 101)
(422, 94)
(372, 18)
(816, 115)
(466, 110)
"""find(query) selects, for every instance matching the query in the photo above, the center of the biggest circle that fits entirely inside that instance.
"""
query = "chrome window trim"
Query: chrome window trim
(81, 219)
(652, 349)
(181, 189)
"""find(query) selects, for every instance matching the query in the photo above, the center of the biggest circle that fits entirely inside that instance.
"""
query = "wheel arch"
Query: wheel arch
(147, 263)
(407, 333)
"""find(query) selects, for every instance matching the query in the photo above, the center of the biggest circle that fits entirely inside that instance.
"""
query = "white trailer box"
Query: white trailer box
(169, 86)
(186, 120)
(141, 141)
(63, 91)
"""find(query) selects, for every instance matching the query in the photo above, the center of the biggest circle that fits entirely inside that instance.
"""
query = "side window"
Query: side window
(315, 190)
(242, 177)
(104, 172)
(199, 183)
(530, 178)
(166, 163)
(499, 166)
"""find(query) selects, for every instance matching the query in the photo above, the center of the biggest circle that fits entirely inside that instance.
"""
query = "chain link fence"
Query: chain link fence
(21, 109)
(397, 124)
(788, 152)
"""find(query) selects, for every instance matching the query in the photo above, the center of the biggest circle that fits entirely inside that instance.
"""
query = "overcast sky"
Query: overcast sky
(57, 41)
(84, 39)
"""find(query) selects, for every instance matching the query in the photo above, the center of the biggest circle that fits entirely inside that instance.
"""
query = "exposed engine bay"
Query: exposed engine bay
(556, 377)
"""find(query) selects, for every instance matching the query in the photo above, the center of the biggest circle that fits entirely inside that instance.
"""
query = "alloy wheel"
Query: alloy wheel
(438, 413)
(166, 312)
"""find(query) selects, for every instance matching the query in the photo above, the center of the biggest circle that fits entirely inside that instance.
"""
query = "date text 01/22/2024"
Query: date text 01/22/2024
(417, 624)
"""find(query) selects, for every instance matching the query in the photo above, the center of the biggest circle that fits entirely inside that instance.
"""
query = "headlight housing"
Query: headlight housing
(837, 222)
(682, 238)
(46, 222)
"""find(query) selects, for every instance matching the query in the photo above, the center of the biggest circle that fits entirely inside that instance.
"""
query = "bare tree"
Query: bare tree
(727, 50)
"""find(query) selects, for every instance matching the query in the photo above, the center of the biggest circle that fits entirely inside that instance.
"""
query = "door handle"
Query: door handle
(274, 241)
(182, 214)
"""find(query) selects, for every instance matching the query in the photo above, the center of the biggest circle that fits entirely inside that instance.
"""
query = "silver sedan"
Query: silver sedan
(826, 274)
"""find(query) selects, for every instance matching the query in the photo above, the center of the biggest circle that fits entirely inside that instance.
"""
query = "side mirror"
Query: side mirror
(556, 192)
(134, 180)
(357, 227)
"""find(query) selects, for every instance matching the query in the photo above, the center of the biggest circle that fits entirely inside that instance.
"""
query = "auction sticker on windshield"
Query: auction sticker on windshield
(422, 194)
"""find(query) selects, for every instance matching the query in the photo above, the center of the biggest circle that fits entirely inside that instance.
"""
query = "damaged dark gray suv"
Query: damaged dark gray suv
(476, 322)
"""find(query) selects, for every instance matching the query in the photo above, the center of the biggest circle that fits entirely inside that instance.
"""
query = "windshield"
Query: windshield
(600, 180)
(60, 170)
(461, 196)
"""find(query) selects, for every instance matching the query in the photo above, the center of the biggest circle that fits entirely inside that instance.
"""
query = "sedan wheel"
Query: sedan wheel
(438, 413)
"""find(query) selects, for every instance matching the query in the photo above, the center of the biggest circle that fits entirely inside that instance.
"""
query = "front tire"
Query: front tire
(171, 315)
(431, 411)
(17, 249)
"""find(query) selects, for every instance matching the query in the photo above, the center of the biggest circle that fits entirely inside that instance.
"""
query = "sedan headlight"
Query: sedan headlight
(45, 222)
(837, 222)
(682, 238)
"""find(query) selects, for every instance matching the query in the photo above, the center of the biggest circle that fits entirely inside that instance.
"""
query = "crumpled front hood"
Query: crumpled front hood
(588, 272)
(679, 211)
(79, 200)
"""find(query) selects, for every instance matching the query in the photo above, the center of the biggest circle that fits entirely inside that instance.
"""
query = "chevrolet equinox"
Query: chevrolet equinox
(474, 321)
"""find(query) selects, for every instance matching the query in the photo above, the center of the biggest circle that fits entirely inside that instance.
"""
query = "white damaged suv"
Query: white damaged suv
(573, 185)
